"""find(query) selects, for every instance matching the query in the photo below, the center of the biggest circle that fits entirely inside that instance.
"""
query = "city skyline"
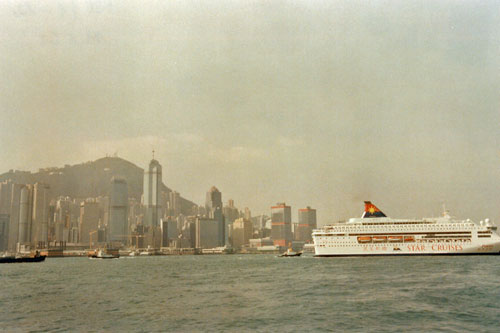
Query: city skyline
(326, 106)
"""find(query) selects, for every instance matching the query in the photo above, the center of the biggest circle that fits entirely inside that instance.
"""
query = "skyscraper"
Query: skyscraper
(207, 233)
(14, 216)
(9, 204)
(213, 205)
(118, 215)
(307, 222)
(40, 219)
(89, 221)
(152, 194)
(281, 224)
(25, 216)
(5, 196)
(4, 231)
(231, 213)
(174, 200)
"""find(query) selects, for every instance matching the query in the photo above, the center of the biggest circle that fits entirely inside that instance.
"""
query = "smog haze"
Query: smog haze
(321, 103)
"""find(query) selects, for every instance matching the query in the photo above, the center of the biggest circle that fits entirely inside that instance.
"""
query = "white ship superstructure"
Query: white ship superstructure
(376, 234)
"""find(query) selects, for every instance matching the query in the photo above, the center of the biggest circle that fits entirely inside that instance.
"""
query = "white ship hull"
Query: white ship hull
(374, 234)
(451, 248)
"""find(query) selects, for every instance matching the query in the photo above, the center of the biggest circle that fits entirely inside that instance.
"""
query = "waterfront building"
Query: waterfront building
(242, 231)
(207, 233)
(138, 236)
(188, 232)
(152, 194)
(213, 206)
(89, 221)
(118, 215)
(281, 224)
(169, 231)
(307, 223)
(260, 242)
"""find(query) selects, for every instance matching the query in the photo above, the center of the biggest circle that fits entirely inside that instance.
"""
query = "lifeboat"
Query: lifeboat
(364, 239)
(379, 239)
(409, 239)
(395, 239)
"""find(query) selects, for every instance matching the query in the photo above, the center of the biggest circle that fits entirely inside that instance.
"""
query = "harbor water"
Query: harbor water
(252, 293)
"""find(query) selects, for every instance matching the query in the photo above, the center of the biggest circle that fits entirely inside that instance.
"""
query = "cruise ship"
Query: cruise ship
(375, 234)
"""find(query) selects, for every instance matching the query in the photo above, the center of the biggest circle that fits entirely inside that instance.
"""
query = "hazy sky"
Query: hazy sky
(320, 103)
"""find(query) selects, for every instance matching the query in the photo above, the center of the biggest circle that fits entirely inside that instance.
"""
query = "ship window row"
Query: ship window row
(400, 228)
(392, 223)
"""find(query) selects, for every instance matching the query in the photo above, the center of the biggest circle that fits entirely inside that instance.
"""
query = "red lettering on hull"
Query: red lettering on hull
(416, 248)
(447, 247)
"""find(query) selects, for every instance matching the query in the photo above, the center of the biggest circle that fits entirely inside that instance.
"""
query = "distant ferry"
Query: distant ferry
(376, 234)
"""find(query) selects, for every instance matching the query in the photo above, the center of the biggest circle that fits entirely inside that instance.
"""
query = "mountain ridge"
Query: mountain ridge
(90, 179)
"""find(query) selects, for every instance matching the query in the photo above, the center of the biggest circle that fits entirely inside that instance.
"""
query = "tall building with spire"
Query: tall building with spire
(152, 194)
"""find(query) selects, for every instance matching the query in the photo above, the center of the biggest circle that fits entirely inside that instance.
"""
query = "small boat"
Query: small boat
(101, 254)
(20, 258)
(290, 253)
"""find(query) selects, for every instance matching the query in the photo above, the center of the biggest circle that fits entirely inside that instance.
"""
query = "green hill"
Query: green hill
(90, 179)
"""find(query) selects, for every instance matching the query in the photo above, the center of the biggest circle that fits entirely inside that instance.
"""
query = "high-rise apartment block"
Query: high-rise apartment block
(281, 224)
(307, 222)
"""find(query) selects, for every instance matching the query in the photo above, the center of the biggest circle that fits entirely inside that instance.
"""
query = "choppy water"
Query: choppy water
(263, 293)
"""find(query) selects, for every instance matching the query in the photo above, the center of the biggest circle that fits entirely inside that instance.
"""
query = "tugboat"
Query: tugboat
(102, 254)
(290, 253)
(20, 258)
